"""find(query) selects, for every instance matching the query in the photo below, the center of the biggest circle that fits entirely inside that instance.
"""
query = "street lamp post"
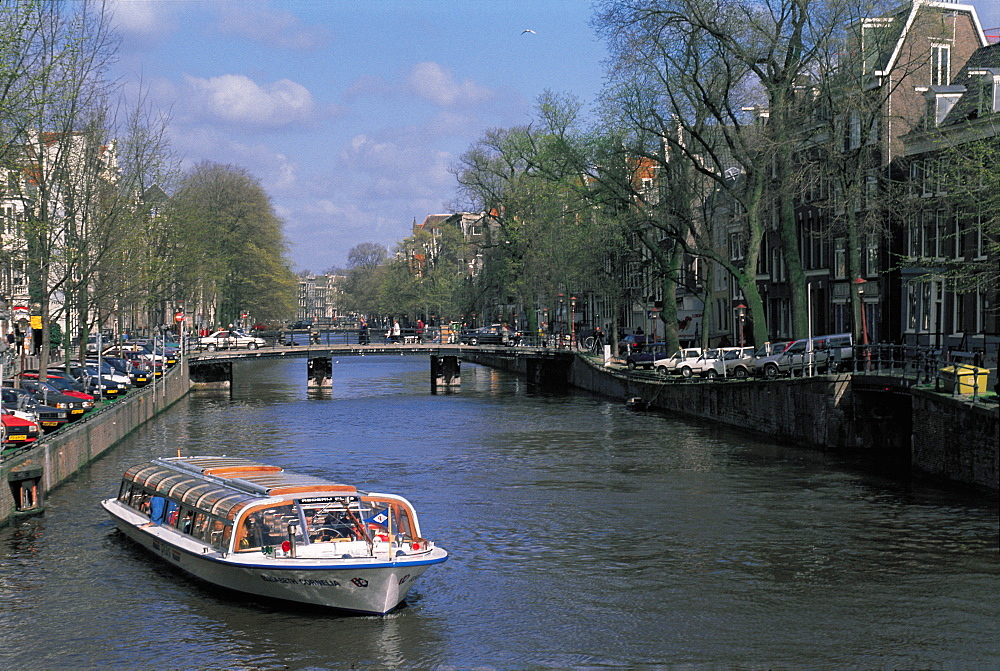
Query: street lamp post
(860, 284)
(741, 315)
(572, 321)
(561, 317)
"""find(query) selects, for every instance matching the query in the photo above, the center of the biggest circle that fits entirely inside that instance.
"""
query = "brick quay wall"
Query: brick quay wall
(904, 431)
(955, 440)
(56, 457)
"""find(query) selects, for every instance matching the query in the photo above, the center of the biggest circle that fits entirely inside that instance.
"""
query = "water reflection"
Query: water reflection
(581, 535)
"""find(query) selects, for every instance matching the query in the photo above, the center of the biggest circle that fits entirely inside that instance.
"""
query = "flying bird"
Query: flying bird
(528, 30)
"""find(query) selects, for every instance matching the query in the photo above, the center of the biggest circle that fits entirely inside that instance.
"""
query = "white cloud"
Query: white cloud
(255, 21)
(237, 99)
(428, 80)
(141, 18)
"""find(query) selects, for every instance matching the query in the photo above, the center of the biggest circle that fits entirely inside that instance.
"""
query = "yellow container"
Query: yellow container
(968, 378)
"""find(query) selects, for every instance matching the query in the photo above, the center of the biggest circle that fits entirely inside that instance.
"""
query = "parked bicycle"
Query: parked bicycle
(594, 343)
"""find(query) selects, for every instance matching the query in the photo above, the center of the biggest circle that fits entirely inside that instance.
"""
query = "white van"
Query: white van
(673, 363)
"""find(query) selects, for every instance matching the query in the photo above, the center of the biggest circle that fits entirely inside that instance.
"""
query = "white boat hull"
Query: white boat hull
(369, 585)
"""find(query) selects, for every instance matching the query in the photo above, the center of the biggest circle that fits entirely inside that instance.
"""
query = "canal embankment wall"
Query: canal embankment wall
(904, 430)
(58, 456)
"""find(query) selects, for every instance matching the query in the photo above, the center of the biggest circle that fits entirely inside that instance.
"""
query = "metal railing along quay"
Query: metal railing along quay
(947, 371)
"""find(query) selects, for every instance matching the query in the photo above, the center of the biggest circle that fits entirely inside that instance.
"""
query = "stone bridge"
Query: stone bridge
(539, 364)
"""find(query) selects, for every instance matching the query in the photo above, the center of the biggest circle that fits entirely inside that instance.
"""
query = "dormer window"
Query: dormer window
(989, 95)
(984, 84)
(940, 101)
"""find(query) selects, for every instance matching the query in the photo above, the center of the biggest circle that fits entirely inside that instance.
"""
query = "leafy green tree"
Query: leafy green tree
(228, 243)
(700, 66)
(361, 289)
(542, 241)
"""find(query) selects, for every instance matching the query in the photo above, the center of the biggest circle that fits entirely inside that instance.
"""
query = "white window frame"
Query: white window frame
(940, 64)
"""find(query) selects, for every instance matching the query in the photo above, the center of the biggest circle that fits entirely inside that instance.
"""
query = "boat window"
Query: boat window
(140, 500)
(173, 508)
(125, 492)
(187, 521)
(403, 523)
(268, 527)
(221, 533)
(201, 521)
(328, 524)
(376, 516)
(227, 535)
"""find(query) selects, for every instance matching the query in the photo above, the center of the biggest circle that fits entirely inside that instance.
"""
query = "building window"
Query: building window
(777, 265)
(958, 233)
(927, 236)
(928, 177)
(916, 176)
(722, 314)
(940, 65)
(735, 247)
(874, 129)
(988, 97)
(957, 313)
(941, 236)
(980, 243)
(855, 131)
(912, 303)
(839, 259)
(871, 255)
(982, 305)
(871, 189)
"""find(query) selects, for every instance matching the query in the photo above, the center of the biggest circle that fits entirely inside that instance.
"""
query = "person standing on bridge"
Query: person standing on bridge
(395, 330)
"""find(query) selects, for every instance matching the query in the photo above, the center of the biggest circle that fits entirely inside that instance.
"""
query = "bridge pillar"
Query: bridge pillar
(320, 372)
(211, 374)
(446, 372)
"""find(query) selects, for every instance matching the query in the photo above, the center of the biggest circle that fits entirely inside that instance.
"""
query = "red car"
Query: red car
(19, 431)
(62, 385)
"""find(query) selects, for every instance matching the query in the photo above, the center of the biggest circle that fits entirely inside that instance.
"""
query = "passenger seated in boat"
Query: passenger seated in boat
(251, 534)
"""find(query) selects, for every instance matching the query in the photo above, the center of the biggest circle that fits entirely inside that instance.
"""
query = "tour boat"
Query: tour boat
(262, 530)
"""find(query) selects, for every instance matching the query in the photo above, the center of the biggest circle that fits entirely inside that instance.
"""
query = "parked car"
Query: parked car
(821, 353)
(137, 357)
(44, 392)
(631, 343)
(48, 417)
(101, 368)
(96, 342)
(95, 384)
(165, 350)
(300, 325)
(769, 348)
(61, 382)
(725, 362)
(646, 355)
(737, 362)
(671, 364)
(497, 334)
(225, 339)
(138, 375)
(18, 430)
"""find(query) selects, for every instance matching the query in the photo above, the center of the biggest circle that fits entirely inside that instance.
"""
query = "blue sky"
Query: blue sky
(350, 112)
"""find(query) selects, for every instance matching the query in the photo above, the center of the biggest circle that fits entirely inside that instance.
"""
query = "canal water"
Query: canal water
(581, 536)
